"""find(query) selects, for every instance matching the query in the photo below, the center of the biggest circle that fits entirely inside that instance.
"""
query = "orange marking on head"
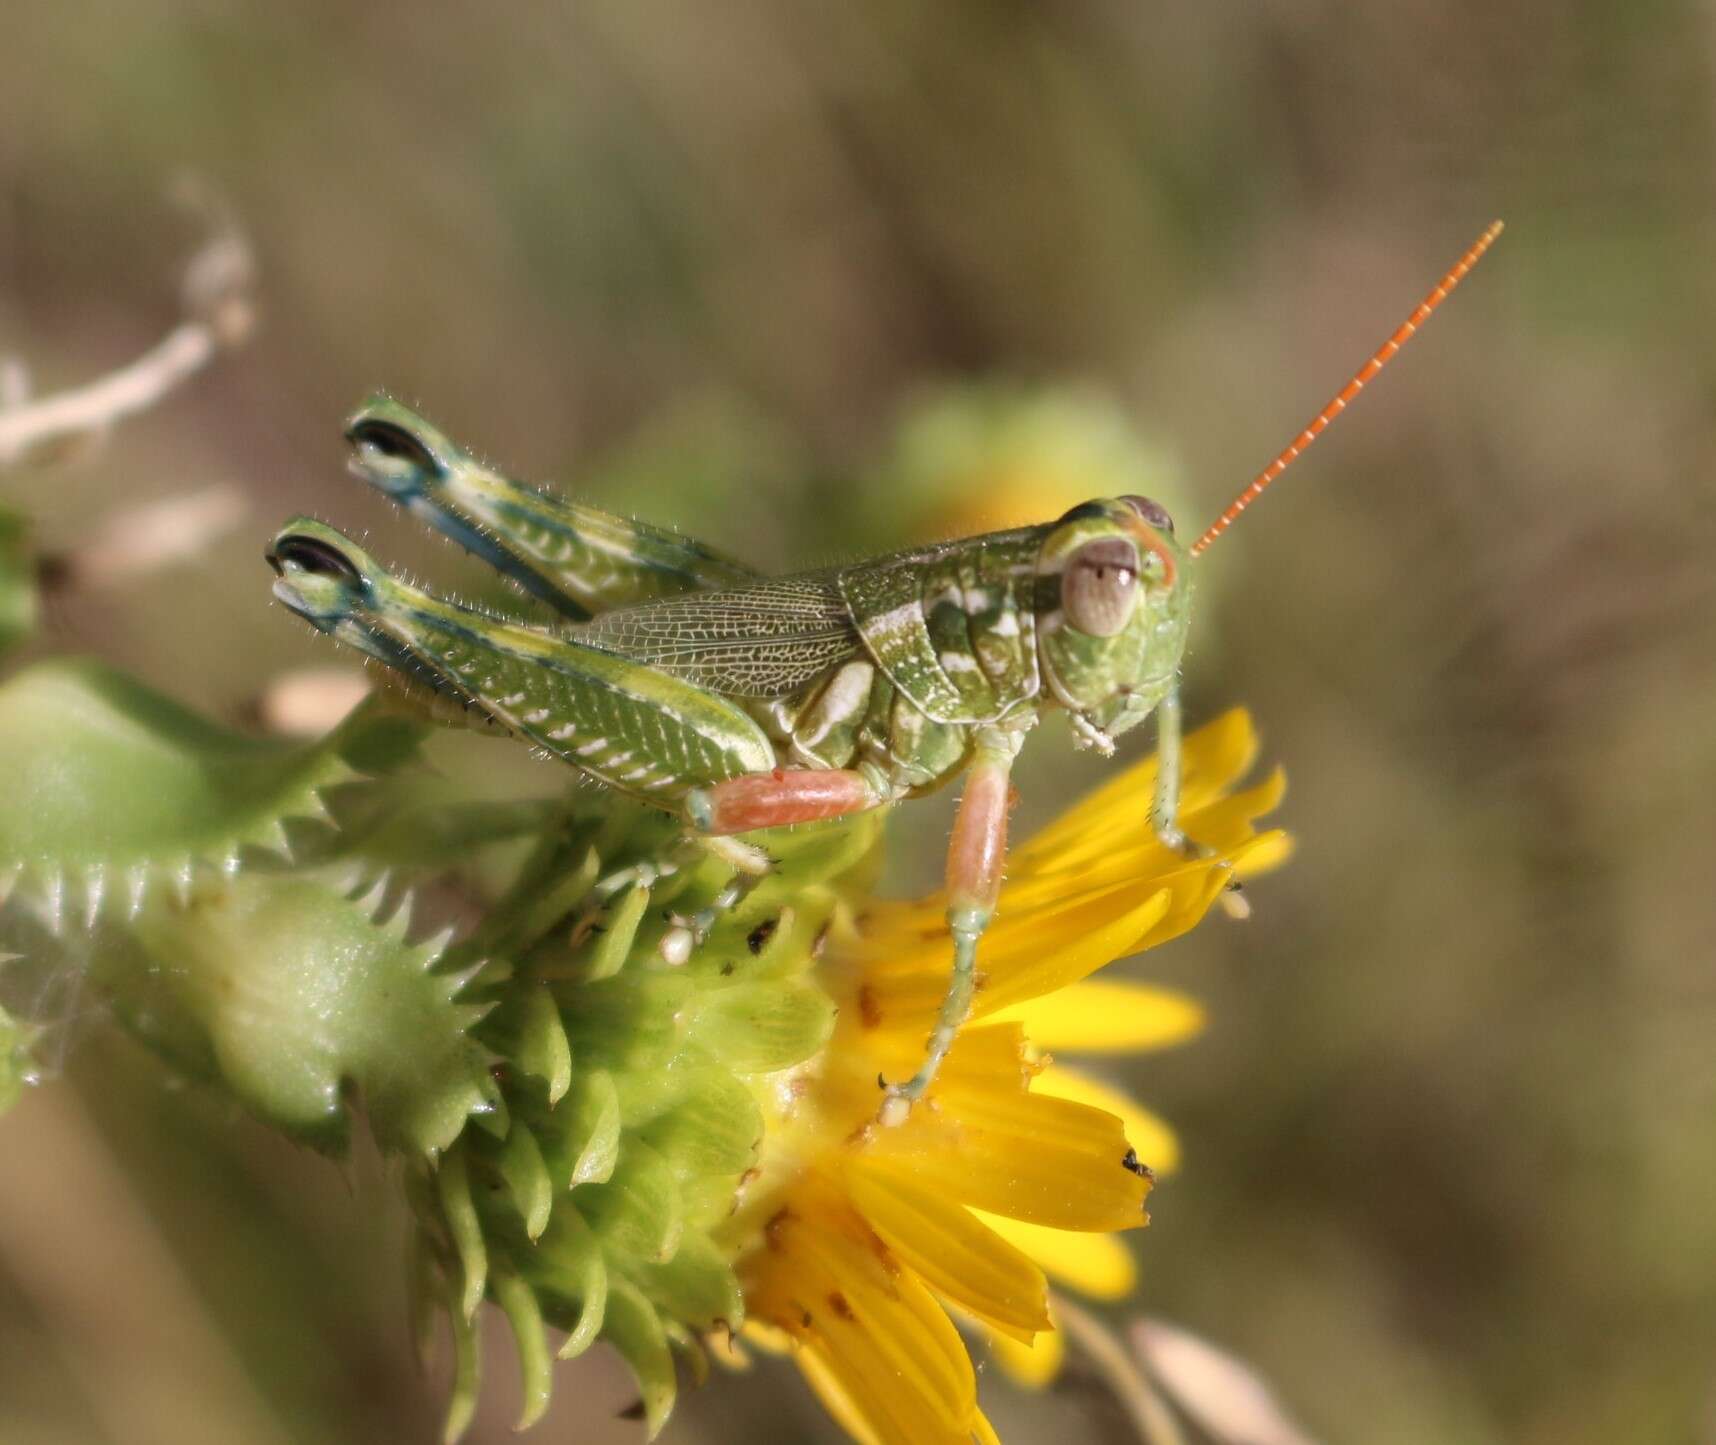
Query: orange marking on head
(1170, 567)
(1361, 378)
(1150, 540)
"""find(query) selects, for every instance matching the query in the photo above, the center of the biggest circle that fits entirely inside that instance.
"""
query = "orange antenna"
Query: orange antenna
(1361, 379)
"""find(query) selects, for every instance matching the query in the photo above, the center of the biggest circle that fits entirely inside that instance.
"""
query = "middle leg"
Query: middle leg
(1165, 806)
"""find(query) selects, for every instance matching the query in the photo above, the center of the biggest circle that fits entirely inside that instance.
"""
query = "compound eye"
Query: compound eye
(312, 555)
(1152, 512)
(1098, 586)
(395, 443)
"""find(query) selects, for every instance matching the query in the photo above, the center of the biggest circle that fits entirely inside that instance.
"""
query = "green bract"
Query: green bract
(577, 1115)
(112, 789)
(294, 998)
(634, 1091)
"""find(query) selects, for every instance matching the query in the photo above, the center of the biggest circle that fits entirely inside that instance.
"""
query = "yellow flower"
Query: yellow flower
(616, 1145)
(1013, 1167)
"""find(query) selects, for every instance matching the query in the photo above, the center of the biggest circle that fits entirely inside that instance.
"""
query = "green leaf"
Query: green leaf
(295, 995)
(111, 785)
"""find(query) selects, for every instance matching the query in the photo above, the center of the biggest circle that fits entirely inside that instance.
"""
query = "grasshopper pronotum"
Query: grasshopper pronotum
(742, 702)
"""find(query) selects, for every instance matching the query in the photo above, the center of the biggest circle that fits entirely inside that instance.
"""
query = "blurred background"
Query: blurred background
(812, 280)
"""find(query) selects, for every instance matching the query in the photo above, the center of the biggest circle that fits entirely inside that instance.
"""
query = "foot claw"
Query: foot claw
(896, 1108)
(1233, 901)
(698, 924)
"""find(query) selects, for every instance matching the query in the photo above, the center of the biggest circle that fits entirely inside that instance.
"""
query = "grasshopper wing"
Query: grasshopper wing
(766, 640)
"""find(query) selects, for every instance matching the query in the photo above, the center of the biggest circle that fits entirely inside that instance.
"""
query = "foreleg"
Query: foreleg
(1165, 807)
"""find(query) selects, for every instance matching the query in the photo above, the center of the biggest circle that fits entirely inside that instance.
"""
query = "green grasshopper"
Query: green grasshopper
(743, 702)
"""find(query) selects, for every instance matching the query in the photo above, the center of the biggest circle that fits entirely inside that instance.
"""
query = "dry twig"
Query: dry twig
(1222, 1395)
(216, 297)
(1150, 1418)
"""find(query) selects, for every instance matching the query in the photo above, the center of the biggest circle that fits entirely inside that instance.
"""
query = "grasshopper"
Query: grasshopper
(742, 702)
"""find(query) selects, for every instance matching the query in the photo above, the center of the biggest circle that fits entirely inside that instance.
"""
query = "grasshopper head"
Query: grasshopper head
(325, 577)
(1113, 595)
(396, 451)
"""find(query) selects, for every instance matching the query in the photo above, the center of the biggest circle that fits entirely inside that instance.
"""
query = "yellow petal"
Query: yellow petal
(1098, 1265)
(960, 1258)
(830, 1388)
(990, 1055)
(1108, 1017)
(1228, 821)
(1264, 853)
(727, 1350)
(1105, 844)
(1146, 1132)
(1211, 759)
(1034, 1365)
(767, 1338)
(1020, 922)
(870, 1334)
(1027, 1156)
(859, 1384)
(1017, 962)
(1127, 869)
(1190, 904)
(992, 1058)
(1012, 1167)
